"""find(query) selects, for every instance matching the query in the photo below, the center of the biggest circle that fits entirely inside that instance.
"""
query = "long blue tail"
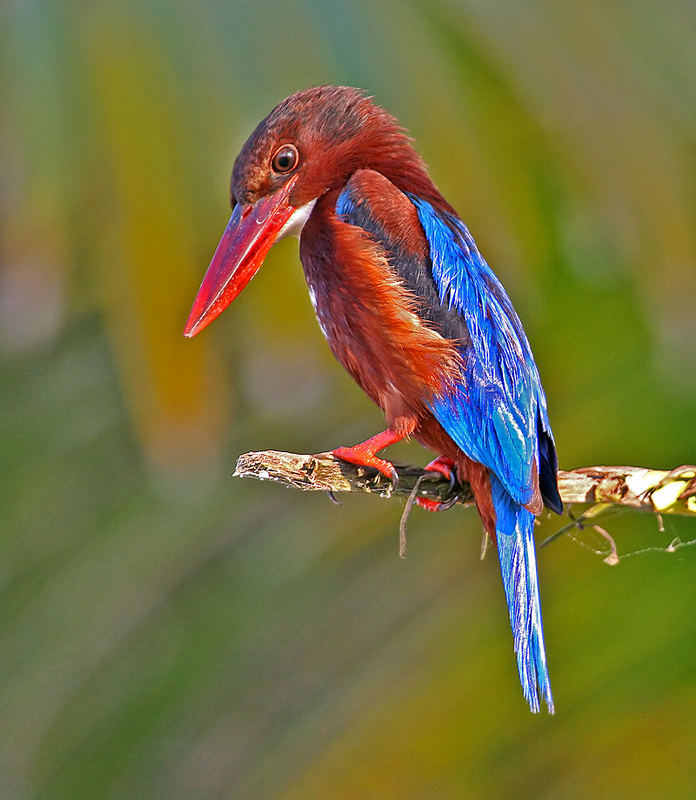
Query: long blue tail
(514, 532)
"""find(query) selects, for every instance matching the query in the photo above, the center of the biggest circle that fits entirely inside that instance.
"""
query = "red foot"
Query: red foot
(363, 455)
(431, 505)
(366, 458)
(445, 466)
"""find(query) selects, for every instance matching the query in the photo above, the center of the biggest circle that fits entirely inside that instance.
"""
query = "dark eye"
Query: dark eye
(285, 158)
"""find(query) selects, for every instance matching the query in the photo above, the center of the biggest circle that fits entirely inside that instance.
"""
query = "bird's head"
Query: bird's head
(311, 143)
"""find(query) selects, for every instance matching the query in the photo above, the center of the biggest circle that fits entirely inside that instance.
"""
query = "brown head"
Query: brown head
(312, 142)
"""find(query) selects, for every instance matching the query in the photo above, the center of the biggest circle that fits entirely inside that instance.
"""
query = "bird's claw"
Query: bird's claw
(445, 467)
(430, 505)
(394, 475)
(366, 458)
(436, 505)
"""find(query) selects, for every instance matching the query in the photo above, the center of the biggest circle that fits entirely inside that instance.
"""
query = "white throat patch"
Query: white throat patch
(293, 227)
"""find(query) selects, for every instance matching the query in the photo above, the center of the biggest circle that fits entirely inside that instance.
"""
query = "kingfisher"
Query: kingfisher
(411, 309)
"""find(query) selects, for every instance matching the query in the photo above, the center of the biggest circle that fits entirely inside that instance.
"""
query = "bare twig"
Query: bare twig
(658, 491)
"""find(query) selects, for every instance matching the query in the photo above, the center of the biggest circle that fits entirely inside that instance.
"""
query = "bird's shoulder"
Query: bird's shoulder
(372, 202)
(389, 217)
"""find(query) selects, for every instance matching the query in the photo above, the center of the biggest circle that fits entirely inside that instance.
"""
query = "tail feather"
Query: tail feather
(514, 534)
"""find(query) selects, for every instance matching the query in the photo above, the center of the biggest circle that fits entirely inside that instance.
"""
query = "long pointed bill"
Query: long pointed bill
(248, 237)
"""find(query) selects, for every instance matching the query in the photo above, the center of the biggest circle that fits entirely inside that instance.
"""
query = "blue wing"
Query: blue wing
(498, 413)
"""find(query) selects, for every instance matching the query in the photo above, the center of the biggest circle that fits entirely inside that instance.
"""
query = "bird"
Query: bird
(410, 308)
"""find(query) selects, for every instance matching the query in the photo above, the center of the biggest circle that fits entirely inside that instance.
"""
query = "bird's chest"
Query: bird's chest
(370, 321)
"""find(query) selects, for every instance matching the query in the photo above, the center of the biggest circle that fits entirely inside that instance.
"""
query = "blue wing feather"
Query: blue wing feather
(497, 414)
(494, 413)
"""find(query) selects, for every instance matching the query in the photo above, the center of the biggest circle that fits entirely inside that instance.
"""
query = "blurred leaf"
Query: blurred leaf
(167, 632)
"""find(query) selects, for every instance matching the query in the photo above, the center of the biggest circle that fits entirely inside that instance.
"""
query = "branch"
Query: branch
(658, 491)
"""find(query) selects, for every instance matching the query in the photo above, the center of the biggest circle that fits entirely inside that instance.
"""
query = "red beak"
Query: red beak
(248, 237)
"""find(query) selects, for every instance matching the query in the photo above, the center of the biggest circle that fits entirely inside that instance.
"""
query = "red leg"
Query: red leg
(363, 455)
(445, 466)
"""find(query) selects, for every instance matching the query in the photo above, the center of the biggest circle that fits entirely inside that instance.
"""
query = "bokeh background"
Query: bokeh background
(167, 631)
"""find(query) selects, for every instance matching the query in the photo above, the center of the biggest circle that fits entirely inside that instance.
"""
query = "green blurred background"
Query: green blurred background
(168, 631)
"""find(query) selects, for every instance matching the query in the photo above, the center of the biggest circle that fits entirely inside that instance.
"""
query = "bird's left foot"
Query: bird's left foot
(365, 453)
(362, 457)
(445, 467)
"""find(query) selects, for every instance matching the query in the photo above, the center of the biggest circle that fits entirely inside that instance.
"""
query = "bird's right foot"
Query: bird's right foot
(445, 467)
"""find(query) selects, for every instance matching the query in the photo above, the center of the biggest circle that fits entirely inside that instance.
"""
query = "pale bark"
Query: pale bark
(659, 491)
